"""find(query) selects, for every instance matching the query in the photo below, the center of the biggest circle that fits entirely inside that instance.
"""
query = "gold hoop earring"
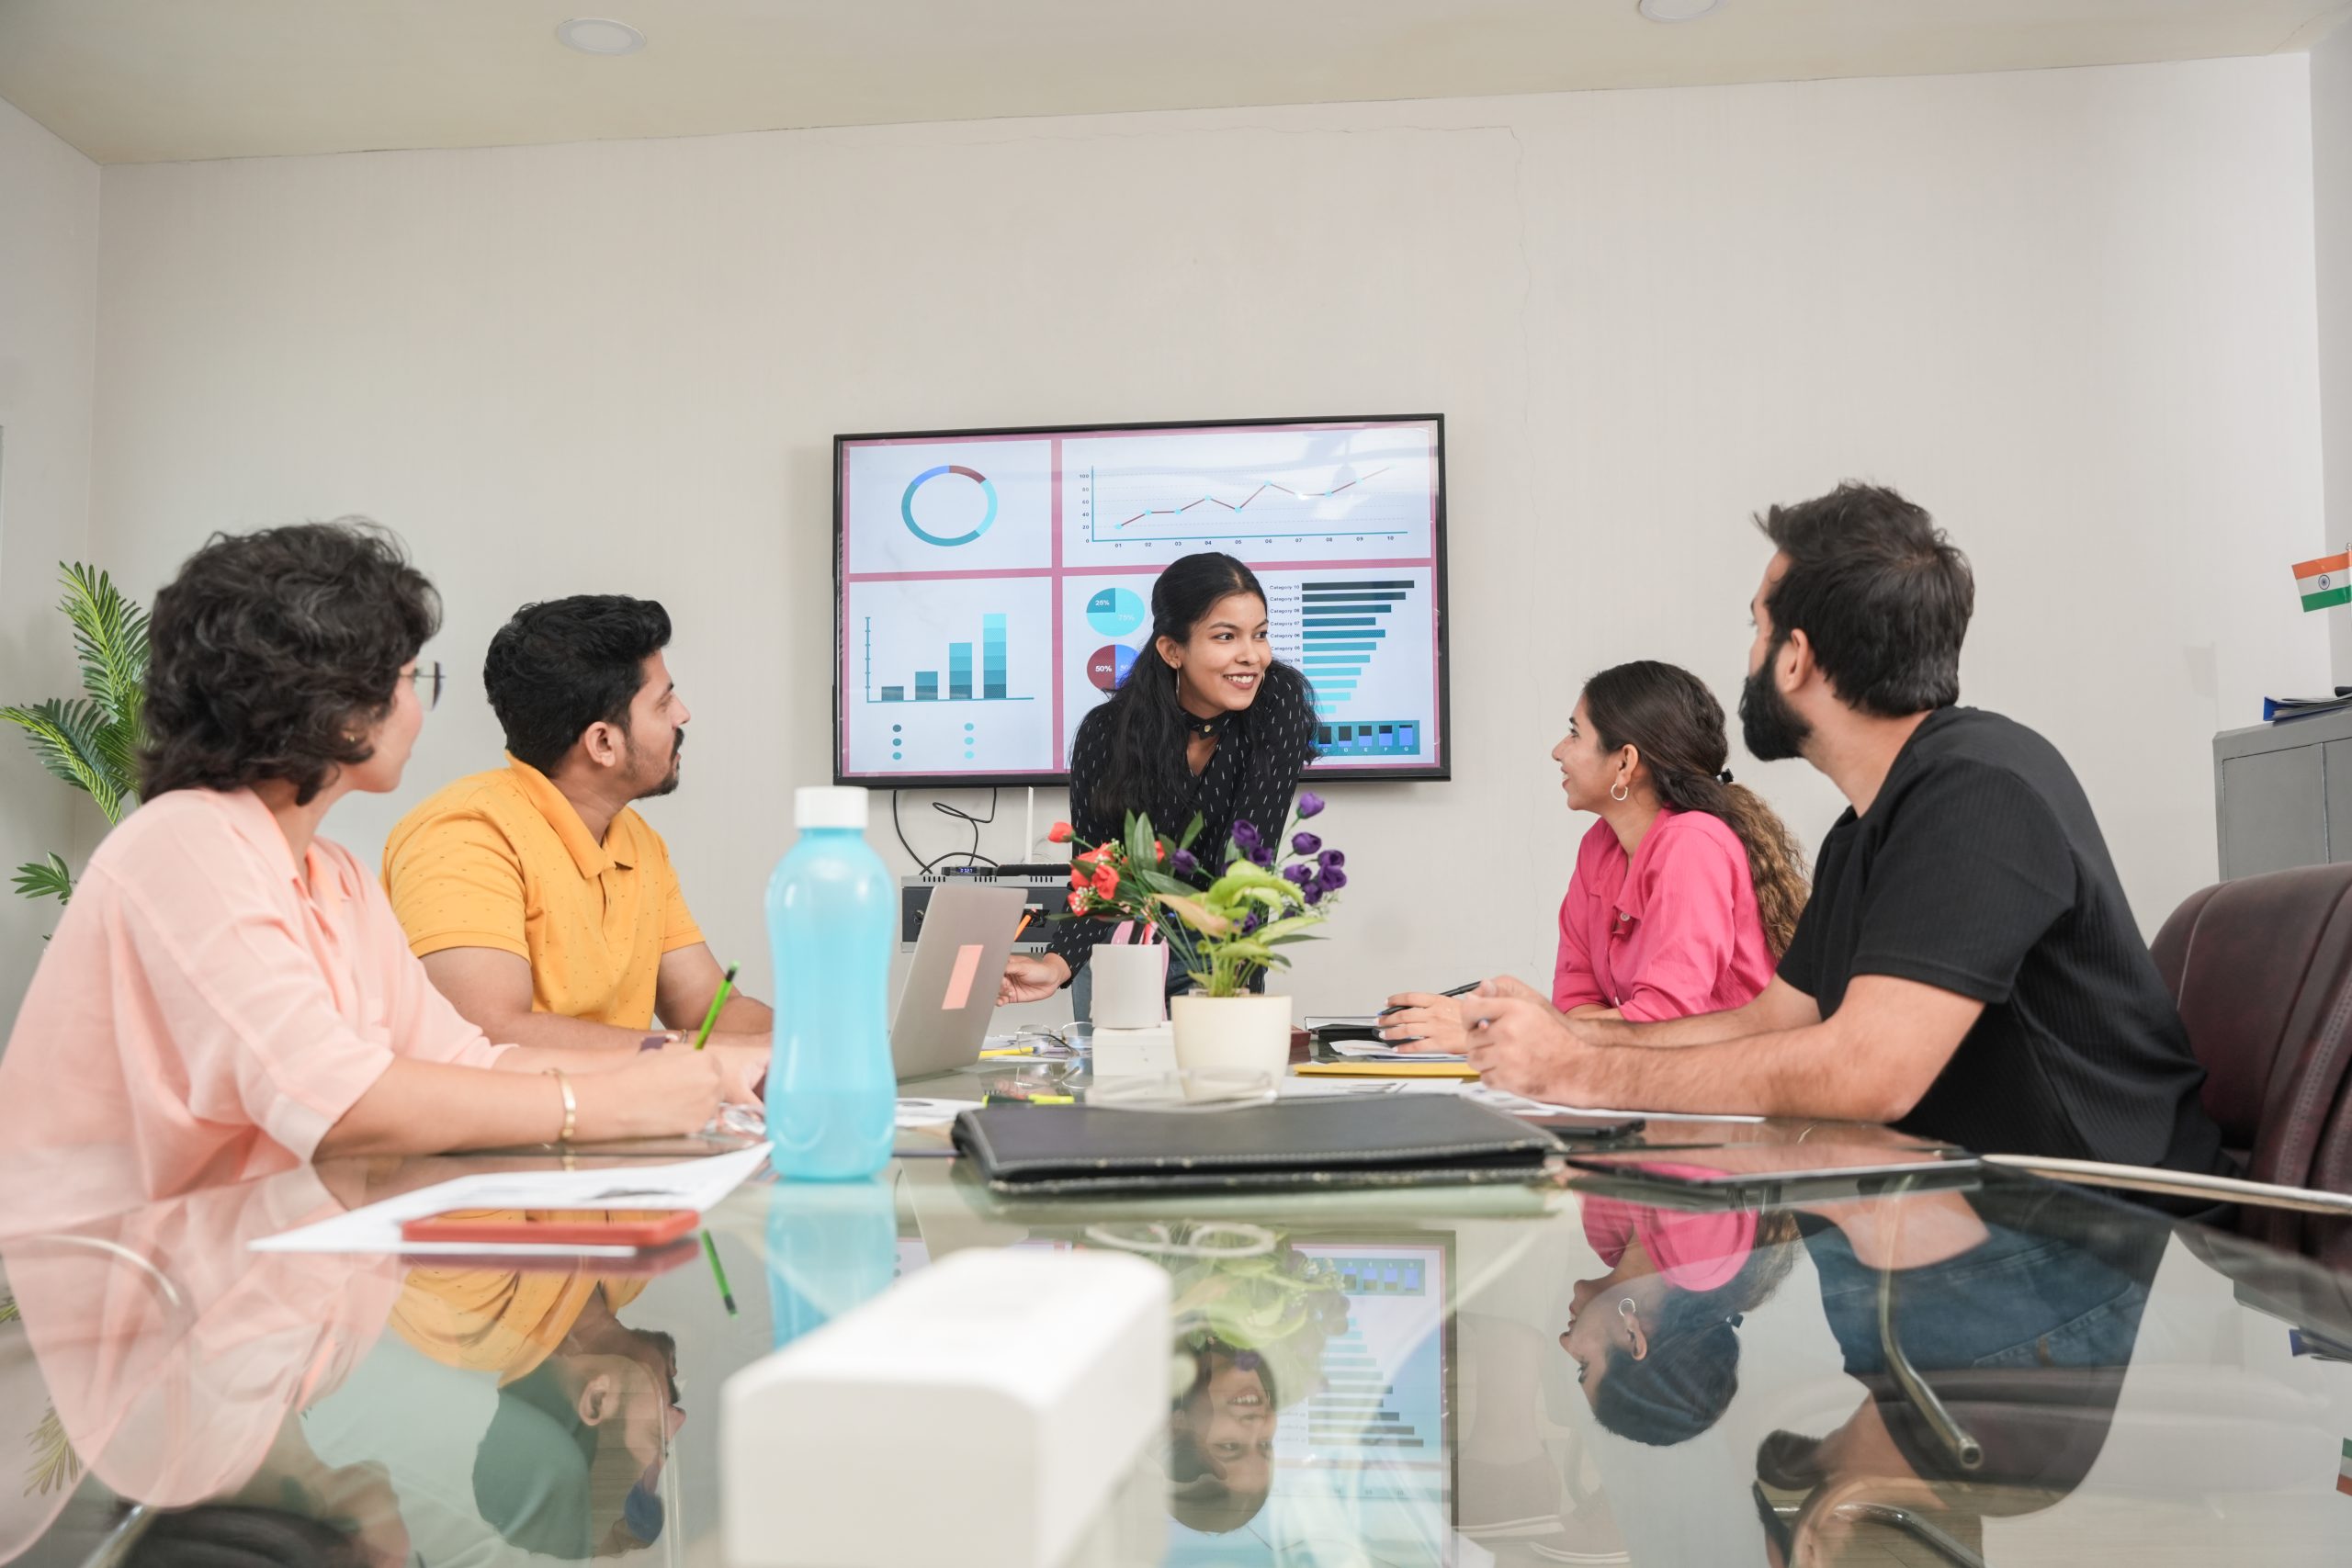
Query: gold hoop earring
(1618, 792)
(1629, 1311)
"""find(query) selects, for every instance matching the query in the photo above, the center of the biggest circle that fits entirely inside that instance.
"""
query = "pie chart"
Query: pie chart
(1106, 666)
(1114, 612)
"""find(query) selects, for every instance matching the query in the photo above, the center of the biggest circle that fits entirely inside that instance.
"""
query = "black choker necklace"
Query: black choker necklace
(1199, 725)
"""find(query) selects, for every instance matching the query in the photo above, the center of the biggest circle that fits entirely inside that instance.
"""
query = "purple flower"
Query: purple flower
(1182, 863)
(1305, 844)
(1331, 859)
(1252, 922)
(1245, 835)
(1334, 879)
(1263, 853)
(1309, 804)
(1299, 873)
(1315, 894)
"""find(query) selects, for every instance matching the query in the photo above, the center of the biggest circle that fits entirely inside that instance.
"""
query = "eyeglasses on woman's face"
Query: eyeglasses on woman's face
(428, 683)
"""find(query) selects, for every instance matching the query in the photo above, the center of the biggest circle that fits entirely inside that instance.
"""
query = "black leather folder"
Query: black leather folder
(1394, 1141)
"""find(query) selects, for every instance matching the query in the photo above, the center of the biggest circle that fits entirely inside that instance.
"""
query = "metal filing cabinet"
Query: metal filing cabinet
(2283, 793)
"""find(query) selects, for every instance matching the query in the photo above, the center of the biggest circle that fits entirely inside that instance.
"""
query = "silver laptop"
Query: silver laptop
(944, 1014)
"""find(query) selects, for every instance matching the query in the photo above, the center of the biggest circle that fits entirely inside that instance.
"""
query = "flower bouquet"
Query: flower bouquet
(1226, 917)
(1261, 898)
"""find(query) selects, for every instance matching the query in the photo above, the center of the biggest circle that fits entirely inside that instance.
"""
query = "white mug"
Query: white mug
(1130, 985)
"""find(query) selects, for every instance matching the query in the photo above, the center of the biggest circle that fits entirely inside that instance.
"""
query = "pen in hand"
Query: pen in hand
(710, 1019)
(1457, 991)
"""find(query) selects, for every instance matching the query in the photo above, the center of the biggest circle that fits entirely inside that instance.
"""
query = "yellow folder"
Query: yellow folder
(1385, 1069)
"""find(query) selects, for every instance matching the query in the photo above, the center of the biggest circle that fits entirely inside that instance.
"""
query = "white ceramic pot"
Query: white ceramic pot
(1130, 985)
(1232, 1034)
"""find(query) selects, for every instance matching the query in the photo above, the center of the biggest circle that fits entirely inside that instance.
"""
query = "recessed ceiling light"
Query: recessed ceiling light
(599, 35)
(1678, 10)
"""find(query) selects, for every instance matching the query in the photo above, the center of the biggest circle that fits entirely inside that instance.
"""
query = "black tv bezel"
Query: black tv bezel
(1440, 771)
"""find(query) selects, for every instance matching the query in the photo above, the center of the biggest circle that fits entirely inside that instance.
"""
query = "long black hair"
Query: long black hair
(1147, 725)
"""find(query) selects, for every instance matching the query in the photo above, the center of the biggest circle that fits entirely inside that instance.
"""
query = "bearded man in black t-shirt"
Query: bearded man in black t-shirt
(1968, 968)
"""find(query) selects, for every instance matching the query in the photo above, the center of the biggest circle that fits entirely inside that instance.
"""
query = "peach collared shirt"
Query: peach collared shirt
(208, 1009)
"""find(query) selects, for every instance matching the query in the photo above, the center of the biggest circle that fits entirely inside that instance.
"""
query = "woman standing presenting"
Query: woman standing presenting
(1221, 728)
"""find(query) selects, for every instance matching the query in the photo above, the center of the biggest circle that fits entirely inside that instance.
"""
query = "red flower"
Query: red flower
(1159, 853)
(1058, 833)
(1078, 878)
(1077, 903)
(1106, 881)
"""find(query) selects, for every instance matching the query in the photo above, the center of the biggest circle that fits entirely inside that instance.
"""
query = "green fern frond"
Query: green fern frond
(65, 737)
(110, 638)
(8, 1313)
(43, 879)
(55, 1465)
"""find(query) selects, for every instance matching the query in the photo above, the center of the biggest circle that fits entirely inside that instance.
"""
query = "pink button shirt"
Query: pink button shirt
(1693, 1252)
(207, 1010)
(1672, 933)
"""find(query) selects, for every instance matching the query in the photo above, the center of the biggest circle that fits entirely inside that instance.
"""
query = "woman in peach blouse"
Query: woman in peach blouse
(229, 994)
(1687, 889)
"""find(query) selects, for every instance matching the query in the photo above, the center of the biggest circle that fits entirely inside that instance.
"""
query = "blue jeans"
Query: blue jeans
(2013, 1301)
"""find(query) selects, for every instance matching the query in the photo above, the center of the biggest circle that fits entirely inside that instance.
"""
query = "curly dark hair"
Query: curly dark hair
(557, 667)
(268, 650)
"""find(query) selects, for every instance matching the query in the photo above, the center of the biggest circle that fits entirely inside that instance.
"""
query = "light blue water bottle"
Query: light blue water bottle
(831, 1094)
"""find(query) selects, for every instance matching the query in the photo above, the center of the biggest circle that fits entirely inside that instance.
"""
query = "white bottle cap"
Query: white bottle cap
(829, 806)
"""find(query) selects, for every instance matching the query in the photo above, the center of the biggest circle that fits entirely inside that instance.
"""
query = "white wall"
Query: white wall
(48, 269)
(2070, 311)
(2332, 213)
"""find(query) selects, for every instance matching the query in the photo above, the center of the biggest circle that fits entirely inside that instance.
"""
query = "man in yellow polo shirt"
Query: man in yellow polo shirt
(543, 905)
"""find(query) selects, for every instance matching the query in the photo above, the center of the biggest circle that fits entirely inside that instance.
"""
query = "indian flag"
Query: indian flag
(2343, 1472)
(2326, 582)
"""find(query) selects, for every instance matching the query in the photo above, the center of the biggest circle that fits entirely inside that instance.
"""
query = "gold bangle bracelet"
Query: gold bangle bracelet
(571, 1104)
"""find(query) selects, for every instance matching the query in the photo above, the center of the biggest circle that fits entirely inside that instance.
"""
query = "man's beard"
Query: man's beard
(670, 779)
(1773, 730)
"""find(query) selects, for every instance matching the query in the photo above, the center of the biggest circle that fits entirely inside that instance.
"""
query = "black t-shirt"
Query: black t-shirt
(1980, 870)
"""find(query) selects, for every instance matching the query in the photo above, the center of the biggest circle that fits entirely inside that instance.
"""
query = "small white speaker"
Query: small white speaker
(1011, 1391)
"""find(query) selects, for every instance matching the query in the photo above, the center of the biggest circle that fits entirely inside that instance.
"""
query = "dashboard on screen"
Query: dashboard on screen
(994, 586)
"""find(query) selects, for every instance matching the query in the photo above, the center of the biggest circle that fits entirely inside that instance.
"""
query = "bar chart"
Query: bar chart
(1340, 631)
(993, 686)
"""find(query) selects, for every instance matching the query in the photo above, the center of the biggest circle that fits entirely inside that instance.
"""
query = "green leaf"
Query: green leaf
(45, 879)
(1192, 832)
(1141, 840)
(110, 638)
(55, 1467)
(1241, 875)
(65, 737)
(1288, 928)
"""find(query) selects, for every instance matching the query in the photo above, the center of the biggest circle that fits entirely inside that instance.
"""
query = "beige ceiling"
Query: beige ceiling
(139, 81)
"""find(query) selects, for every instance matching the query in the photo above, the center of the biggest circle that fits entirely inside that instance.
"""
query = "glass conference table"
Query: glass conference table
(1998, 1369)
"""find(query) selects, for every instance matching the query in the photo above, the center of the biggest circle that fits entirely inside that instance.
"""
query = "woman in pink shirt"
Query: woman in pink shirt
(1686, 891)
(229, 994)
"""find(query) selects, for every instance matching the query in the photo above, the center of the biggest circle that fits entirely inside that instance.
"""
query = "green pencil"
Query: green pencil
(719, 1272)
(711, 1018)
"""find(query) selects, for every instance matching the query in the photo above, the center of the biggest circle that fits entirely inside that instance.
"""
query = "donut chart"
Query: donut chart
(907, 505)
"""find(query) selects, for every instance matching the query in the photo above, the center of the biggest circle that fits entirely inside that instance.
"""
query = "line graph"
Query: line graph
(1272, 494)
(1094, 505)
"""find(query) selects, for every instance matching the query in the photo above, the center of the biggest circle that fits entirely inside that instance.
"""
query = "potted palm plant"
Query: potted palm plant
(91, 741)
